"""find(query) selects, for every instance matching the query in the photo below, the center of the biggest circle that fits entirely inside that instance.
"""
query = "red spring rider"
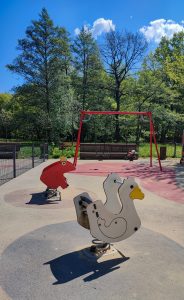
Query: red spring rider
(53, 176)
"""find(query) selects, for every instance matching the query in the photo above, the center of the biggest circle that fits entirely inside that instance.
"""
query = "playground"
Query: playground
(42, 245)
(71, 221)
(91, 150)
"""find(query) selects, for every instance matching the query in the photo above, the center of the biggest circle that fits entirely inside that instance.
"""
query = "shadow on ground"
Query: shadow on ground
(140, 170)
(47, 264)
(167, 184)
(180, 175)
(73, 265)
(40, 199)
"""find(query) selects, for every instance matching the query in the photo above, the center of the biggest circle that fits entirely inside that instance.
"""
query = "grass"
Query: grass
(26, 151)
(144, 150)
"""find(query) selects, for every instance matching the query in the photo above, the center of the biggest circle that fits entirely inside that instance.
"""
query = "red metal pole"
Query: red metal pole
(83, 113)
(115, 113)
(156, 146)
(151, 138)
(78, 138)
(182, 150)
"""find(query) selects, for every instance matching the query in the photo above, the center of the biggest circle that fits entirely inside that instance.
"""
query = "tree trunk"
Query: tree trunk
(138, 130)
(117, 98)
(163, 136)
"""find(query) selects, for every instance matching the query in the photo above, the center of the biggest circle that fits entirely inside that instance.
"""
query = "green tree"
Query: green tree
(6, 115)
(44, 56)
(156, 88)
(121, 52)
(88, 75)
(90, 82)
(175, 69)
(170, 56)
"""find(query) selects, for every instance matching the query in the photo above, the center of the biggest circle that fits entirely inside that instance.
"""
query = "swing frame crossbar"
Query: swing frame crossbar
(147, 114)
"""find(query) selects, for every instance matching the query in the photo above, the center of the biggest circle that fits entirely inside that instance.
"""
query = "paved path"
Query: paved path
(169, 183)
(42, 246)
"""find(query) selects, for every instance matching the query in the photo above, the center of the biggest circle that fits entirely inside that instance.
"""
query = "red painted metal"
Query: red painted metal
(151, 139)
(156, 146)
(182, 150)
(114, 113)
(78, 139)
(52, 176)
(148, 114)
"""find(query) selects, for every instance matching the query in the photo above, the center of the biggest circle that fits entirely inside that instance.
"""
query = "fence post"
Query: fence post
(44, 152)
(33, 156)
(182, 151)
(174, 154)
(14, 161)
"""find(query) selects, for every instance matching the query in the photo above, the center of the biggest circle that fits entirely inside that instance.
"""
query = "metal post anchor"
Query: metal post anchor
(103, 250)
(53, 194)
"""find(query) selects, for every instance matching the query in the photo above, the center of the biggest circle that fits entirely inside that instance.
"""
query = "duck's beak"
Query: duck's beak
(137, 193)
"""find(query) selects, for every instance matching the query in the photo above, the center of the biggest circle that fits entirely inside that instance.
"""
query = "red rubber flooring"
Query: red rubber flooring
(162, 183)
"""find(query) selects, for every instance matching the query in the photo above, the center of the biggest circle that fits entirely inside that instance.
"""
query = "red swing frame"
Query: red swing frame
(147, 114)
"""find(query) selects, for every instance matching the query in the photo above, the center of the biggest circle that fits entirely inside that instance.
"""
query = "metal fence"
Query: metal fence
(18, 158)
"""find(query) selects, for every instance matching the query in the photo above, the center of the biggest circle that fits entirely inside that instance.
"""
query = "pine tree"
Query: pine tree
(44, 56)
(88, 71)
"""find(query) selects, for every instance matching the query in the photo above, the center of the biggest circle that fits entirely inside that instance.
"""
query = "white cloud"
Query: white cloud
(77, 31)
(99, 27)
(159, 28)
(102, 26)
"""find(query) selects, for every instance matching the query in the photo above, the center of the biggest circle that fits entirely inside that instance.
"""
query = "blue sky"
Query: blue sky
(166, 17)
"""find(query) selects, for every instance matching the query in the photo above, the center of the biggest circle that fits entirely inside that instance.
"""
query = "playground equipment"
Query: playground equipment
(52, 176)
(116, 219)
(182, 153)
(142, 114)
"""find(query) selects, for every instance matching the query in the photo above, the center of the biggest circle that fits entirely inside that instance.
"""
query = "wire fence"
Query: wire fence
(18, 158)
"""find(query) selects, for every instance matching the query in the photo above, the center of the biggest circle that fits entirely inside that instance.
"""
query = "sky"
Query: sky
(153, 18)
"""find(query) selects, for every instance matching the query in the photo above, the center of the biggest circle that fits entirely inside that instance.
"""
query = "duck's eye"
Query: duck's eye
(63, 163)
(131, 186)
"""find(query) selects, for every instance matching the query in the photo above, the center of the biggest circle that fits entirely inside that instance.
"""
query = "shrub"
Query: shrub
(57, 153)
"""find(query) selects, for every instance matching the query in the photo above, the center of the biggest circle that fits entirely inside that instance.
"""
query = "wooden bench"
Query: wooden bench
(106, 150)
(7, 150)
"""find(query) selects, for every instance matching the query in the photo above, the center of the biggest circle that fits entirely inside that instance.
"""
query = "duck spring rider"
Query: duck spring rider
(114, 220)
